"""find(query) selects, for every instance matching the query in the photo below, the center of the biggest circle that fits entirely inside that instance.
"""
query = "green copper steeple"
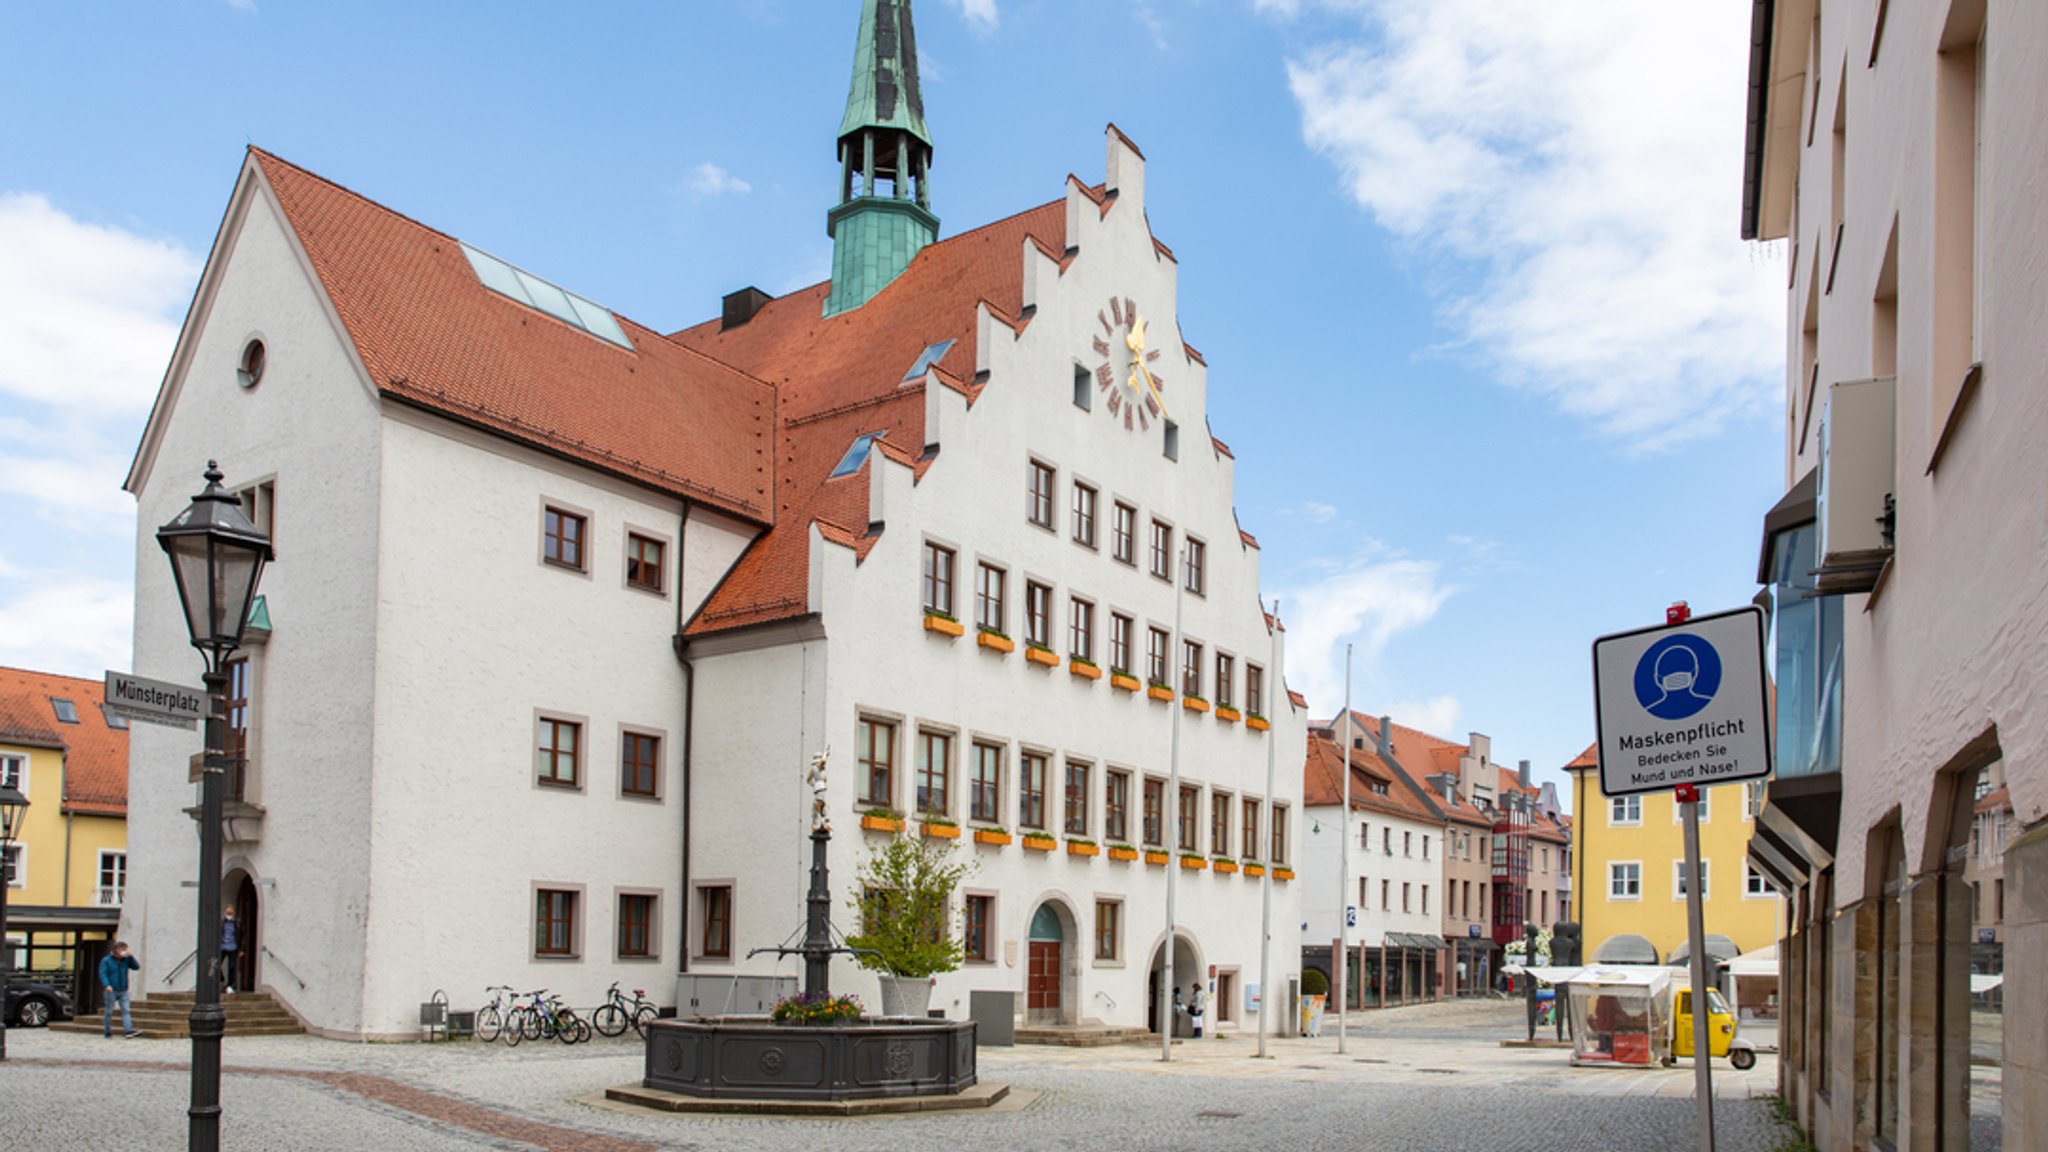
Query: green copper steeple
(884, 215)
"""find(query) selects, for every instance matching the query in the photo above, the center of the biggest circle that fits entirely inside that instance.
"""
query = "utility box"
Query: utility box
(730, 995)
(995, 1017)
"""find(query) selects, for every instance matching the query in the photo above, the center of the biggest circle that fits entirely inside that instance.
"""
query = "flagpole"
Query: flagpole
(1343, 964)
(1166, 1021)
(1253, 850)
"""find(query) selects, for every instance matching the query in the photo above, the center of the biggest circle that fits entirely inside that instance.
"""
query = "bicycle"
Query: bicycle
(547, 1017)
(613, 1017)
(490, 1019)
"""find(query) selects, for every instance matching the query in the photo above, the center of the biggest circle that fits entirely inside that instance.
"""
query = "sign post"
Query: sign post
(154, 701)
(1682, 707)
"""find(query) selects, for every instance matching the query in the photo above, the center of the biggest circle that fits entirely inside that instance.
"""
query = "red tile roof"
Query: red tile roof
(1323, 781)
(1996, 800)
(95, 754)
(1590, 758)
(842, 376)
(433, 336)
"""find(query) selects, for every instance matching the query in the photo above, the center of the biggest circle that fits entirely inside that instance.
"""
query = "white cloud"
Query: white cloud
(1581, 160)
(981, 14)
(1319, 512)
(708, 179)
(67, 622)
(1366, 603)
(1438, 716)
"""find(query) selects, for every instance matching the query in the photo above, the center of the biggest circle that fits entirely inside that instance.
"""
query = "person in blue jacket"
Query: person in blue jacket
(230, 944)
(114, 969)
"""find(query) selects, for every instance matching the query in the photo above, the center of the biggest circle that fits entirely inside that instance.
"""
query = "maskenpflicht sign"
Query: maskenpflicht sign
(1682, 704)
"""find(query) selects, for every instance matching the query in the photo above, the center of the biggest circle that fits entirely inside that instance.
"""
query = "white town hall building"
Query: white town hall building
(563, 606)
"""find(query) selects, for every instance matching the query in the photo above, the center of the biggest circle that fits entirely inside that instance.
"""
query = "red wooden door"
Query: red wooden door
(1044, 988)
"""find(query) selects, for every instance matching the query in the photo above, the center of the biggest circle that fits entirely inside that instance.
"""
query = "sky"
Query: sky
(1499, 374)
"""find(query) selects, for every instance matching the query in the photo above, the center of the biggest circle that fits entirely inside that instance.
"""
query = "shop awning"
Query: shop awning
(1625, 949)
(1719, 949)
(53, 918)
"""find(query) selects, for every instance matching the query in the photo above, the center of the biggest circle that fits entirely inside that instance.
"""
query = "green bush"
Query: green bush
(905, 886)
(1314, 983)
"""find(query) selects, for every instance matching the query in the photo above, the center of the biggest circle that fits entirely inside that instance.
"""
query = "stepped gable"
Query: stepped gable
(432, 335)
(95, 752)
(840, 377)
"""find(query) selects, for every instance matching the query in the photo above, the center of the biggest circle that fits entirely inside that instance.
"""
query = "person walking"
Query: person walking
(114, 969)
(1198, 1001)
(230, 944)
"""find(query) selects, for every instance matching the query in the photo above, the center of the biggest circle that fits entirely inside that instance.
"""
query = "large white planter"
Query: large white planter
(906, 995)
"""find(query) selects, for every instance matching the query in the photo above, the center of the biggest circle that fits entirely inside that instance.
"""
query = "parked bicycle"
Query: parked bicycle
(618, 1013)
(490, 1019)
(547, 1017)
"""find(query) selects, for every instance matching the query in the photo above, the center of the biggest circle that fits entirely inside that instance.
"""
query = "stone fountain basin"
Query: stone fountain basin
(752, 1057)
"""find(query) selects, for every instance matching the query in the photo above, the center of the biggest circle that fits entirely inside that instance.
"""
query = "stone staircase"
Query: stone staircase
(168, 1016)
(1083, 1035)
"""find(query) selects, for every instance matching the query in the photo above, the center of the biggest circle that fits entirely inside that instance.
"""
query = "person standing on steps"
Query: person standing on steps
(114, 969)
(230, 945)
(1198, 1000)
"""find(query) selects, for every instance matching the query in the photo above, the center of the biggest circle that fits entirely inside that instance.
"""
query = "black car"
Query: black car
(33, 1003)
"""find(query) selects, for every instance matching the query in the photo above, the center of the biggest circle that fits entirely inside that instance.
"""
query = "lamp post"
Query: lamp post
(12, 805)
(217, 556)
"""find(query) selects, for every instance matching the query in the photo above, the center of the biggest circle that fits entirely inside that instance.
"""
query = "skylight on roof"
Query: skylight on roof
(67, 712)
(537, 293)
(114, 719)
(925, 359)
(858, 454)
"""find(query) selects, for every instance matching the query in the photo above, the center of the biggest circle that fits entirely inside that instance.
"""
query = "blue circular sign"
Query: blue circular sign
(1678, 676)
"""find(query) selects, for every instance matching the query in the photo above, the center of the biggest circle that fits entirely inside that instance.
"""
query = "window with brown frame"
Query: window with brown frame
(1038, 504)
(1254, 690)
(984, 799)
(1190, 818)
(562, 536)
(1226, 679)
(716, 902)
(1155, 656)
(1037, 614)
(1190, 668)
(237, 726)
(875, 746)
(636, 926)
(1120, 627)
(938, 579)
(554, 922)
(1155, 812)
(1077, 798)
(1219, 824)
(1108, 928)
(1162, 550)
(1123, 535)
(934, 772)
(1081, 631)
(980, 914)
(1197, 562)
(1084, 515)
(561, 745)
(1279, 854)
(639, 764)
(988, 599)
(1031, 790)
(1116, 806)
(644, 556)
(1250, 837)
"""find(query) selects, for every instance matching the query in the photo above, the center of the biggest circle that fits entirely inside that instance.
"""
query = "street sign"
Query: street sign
(1682, 703)
(155, 701)
(1351, 915)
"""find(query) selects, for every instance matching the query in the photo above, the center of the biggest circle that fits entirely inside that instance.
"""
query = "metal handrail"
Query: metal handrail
(173, 976)
(287, 968)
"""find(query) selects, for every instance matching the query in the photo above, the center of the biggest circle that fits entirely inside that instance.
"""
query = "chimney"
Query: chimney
(1522, 773)
(741, 306)
(1386, 738)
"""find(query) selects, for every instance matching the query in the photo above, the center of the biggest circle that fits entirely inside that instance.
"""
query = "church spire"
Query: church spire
(884, 213)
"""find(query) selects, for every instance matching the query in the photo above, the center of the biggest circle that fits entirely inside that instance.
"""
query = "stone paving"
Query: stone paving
(1416, 1079)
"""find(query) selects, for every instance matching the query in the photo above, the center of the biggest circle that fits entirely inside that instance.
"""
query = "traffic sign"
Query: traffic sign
(1682, 703)
(154, 701)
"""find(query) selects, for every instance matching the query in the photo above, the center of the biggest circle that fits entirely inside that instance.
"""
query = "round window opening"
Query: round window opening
(250, 373)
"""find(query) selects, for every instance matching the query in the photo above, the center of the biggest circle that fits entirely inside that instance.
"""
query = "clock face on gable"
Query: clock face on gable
(1123, 374)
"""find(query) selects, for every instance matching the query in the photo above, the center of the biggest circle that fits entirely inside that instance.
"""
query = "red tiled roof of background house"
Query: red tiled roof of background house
(1373, 786)
(95, 753)
(842, 377)
(1422, 755)
(1590, 758)
(1996, 800)
(433, 336)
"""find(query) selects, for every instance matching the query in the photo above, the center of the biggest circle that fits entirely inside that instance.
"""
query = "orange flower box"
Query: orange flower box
(1084, 671)
(995, 836)
(944, 627)
(1157, 859)
(1045, 656)
(879, 822)
(1037, 843)
(1081, 848)
(1194, 863)
(1251, 869)
(1160, 692)
(1257, 723)
(1224, 866)
(1194, 703)
(1127, 683)
(995, 641)
(1125, 854)
(936, 831)
(1283, 873)
(1226, 713)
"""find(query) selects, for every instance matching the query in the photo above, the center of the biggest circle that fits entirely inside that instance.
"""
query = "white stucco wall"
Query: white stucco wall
(1321, 864)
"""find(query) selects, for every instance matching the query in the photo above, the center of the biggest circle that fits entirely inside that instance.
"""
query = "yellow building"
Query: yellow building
(70, 859)
(1628, 877)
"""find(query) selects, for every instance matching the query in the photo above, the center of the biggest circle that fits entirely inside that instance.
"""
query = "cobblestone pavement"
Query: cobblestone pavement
(1416, 1079)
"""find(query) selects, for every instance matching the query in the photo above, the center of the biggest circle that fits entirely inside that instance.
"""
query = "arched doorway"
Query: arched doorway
(240, 894)
(1046, 985)
(1187, 972)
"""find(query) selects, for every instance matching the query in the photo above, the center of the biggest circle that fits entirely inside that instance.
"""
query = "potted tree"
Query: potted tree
(906, 920)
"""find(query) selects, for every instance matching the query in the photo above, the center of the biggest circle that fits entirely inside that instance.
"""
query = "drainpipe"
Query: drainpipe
(689, 738)
(64, 801)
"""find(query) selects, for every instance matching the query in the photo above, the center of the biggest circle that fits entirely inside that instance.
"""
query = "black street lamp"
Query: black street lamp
(12, 805)
(217, 556)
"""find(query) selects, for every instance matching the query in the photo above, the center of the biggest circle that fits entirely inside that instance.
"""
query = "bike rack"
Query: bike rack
(434, 1023)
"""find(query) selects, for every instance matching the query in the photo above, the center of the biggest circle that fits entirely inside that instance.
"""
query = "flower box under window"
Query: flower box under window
(995, 641)
(943, 625)
(1253, 868)
(1082, 848)
(882, 821)
(1155, 858)
(1224, 865)
(1086, 670)
(1194, 863)
(939, 829)
(1122, 852)
(1194, 703)
(1159, 692)
(1257, 723)
(1039, 654)
(996, 836)
(1125, 681)
(1283, 873)
(1039, 842)
(1226, 713)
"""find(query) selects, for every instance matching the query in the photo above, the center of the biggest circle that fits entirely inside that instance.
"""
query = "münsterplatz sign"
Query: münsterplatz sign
(1682, 704)
(155, 701)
